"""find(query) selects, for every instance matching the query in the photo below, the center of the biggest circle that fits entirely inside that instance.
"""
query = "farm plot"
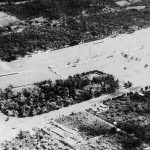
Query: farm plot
(99, 133)
(85, 123)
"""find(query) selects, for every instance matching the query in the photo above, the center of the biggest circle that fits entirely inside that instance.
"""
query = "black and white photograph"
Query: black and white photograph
(74, 74)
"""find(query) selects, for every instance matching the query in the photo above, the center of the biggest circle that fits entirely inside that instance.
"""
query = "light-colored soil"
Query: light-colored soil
(6, 20)
(123, 3)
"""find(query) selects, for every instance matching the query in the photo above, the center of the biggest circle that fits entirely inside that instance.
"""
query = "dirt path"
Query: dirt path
(9, 129)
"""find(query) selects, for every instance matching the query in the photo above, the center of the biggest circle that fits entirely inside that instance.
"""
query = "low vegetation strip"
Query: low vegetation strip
(41, 139)
(46, 139)
(46, 96)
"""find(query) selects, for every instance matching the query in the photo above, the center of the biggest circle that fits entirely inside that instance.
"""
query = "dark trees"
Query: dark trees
(47, 96)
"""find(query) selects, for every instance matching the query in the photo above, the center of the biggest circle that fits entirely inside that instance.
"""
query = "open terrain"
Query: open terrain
(109, 36)
(13, 125)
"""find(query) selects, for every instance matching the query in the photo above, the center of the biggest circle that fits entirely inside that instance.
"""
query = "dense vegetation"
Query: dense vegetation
(131, 113)
(47, 96)
(67, 23)
(50, 8)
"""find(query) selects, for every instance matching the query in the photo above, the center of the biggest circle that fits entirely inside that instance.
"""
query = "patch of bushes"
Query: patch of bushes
(127, 84)
(46, 96)
(131, 113)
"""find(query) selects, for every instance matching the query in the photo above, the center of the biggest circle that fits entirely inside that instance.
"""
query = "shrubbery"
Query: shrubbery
(131, 112)
(46, 96)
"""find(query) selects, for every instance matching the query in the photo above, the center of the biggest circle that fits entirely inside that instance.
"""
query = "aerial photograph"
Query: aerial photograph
(74, 74)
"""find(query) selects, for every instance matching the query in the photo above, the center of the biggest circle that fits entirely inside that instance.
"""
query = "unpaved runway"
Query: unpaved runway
(119, 56)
